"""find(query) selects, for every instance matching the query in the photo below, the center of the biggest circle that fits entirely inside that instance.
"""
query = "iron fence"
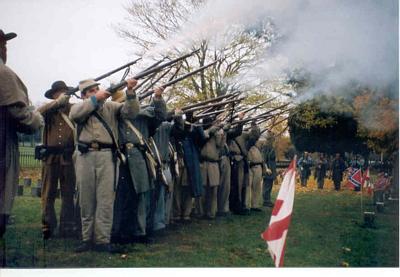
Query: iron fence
(27, 159)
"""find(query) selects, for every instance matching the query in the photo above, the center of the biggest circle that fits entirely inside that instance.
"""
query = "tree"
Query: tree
(360, 123)
(151, 23)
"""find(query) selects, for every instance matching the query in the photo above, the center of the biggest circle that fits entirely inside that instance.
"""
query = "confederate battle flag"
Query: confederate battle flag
(275, 234)
(355, 179)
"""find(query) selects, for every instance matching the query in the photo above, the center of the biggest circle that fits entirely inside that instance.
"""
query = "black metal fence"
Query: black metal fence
(27, 158)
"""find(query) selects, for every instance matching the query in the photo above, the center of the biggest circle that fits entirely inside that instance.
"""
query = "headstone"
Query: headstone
(380, 206)
(369, 219)
(27, 182)
(20, 191)
(36, 191)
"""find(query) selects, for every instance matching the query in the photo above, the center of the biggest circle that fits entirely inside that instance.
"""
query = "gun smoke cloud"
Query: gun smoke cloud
(335, 42)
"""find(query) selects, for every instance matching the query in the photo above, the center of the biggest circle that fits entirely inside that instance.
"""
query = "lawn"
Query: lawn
(325, 231)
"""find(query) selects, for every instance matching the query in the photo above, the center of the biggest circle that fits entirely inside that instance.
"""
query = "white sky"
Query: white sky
(66, 40)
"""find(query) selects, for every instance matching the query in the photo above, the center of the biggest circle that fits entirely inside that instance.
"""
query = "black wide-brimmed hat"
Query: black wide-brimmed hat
(56, 86)
(8, 36)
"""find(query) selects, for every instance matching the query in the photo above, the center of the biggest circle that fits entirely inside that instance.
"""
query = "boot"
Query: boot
(3, 224)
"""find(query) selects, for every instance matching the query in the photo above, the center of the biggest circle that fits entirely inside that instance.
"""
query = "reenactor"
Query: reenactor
(16, 115)
(304, 164)
(210, 175)
(320, 170)
(56, 154)
(190, 184)
(164, 187)
(97, 159)
(256, 169)
(133, 217)
(238, 148)
(224, 187)
(269, 176)
(338, 167)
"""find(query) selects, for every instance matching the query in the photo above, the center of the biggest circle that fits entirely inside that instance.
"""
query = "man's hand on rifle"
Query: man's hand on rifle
(102, 95)
(63, 99)
(241, 115)
(158, 92)
(131, 83)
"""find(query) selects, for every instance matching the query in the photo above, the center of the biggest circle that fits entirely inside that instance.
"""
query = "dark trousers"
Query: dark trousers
(52, 174)
(336, 183)
(130, 210)
(267, 188)
(320, 182)
(235, 197)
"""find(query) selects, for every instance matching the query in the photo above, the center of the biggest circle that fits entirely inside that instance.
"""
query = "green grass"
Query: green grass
(323, 223)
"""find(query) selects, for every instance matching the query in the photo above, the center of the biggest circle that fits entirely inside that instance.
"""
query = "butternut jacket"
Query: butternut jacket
(57, 133)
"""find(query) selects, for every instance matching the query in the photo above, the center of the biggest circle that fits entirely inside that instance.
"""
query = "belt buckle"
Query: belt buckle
(129, 145)
(95, 145)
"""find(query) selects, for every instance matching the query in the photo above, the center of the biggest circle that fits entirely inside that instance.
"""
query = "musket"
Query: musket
(263, 119)
(273, 125)
(254, 107)
(264, 115)
(162, 76)
(174, 81)
(203, 103)
(208, 114)
(144, 73)
(215, 104)
(75, 89)
(151, 75)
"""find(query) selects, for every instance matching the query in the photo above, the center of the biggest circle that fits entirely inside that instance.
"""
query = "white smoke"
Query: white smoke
(335, 41)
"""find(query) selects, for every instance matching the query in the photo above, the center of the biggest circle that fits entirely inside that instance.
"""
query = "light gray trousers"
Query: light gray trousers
(95, 172)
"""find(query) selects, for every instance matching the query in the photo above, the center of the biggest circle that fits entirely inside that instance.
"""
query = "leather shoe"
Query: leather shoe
(244, 212)
(106, 247)
(47, 234)
(256, 210)
(83, 247)
(144, 239)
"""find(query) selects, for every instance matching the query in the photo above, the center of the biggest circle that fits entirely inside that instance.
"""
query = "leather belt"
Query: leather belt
(96, 146)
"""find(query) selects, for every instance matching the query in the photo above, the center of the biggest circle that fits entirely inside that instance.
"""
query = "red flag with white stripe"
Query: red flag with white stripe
(275, 234)
(366, 181)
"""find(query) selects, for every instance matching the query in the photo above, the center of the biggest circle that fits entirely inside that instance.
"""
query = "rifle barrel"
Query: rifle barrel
(180, 78)
(256, 106)
(151, 70)
(75, 89)
(214, 105)
(210, 101)
(208, 114)
(117, 69)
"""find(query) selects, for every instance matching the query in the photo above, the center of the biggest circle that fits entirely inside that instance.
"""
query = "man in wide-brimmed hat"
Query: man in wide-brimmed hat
(57, 149)
(96, 159)
(16, 115)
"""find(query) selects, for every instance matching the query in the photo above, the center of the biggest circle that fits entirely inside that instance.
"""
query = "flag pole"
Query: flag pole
(362, 184)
